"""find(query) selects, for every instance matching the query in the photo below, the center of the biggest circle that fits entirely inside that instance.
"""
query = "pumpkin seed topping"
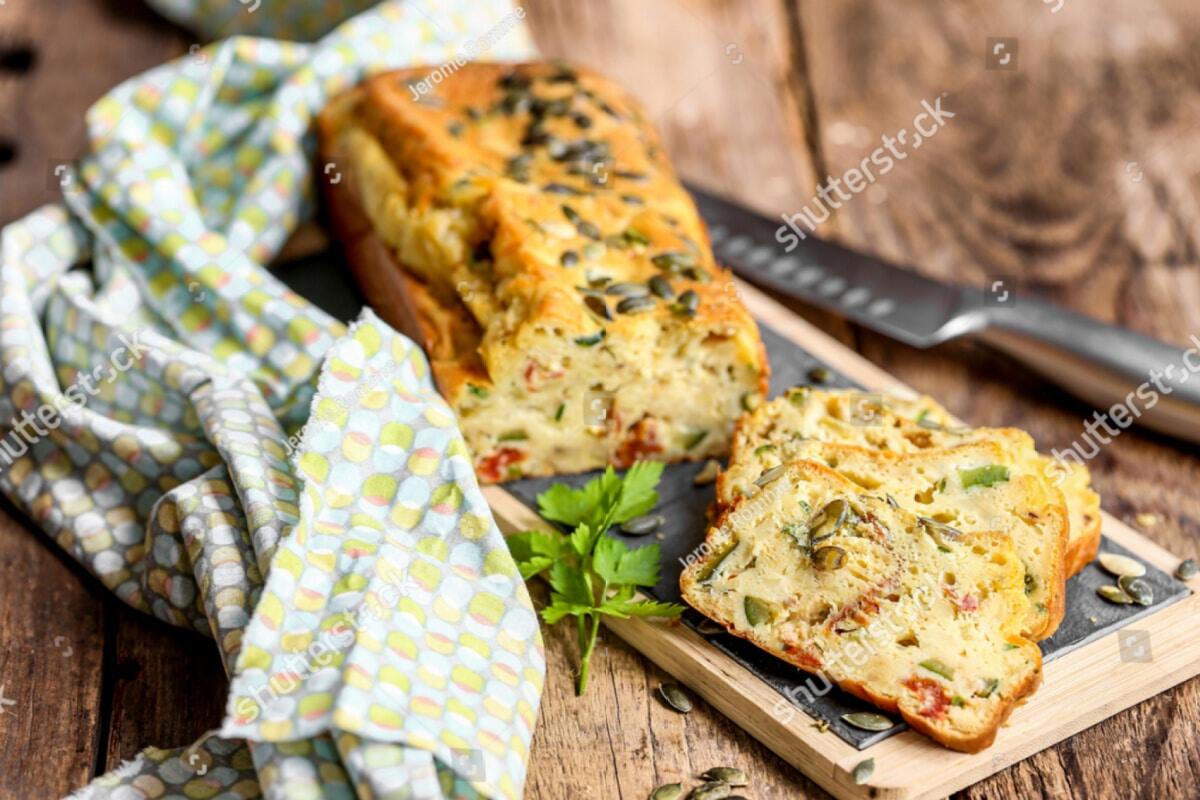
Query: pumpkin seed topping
(769, 475)
(626, 289)
(731, 775)
(668, 791)
(635, 305)
(1114, 595)
(597, 306)
(1138, 590)
(828, 520)
(661, 287)
(1117, 564)
(1187, 569)
(590, 339)
(829, 558)
(687, 304)
(675, 697)
(713, 790)
(862, 773)
(868, 721)
(819, 375)
(640, 526)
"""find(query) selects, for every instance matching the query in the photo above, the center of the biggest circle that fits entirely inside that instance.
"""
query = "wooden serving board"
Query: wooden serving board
(1080, 688)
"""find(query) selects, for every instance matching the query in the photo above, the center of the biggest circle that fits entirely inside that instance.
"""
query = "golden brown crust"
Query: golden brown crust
(459, 212)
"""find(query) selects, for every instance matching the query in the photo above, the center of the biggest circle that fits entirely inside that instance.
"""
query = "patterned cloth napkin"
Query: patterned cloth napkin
(224, 455)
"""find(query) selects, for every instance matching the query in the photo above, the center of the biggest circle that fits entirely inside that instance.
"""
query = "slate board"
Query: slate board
(683, 505)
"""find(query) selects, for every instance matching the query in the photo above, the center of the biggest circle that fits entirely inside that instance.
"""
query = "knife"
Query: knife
(1104, 365)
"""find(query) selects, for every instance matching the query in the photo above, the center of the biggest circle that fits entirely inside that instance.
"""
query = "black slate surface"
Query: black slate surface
(683, 505)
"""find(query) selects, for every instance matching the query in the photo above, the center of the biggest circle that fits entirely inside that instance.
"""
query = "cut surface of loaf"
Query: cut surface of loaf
(771, 434)
(838, 582)
(971, 488)
(553, 267)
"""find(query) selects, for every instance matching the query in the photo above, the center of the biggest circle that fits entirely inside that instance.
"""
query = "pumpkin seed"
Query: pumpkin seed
(868, 721)
(668, 791)
(675, 697)
(634, 236)
(694, 439)
(590, 339)
(625, 289)
(862, 773)
(1138, 590)
(1187, 569)
(635, 305)
(829, 558)
(673, 260)
(731, 775)
(938, 668)
(561, 188)
(751, 401)
(891, 501)
(1114, 595)
(687, 304)
(661, 287)
(1119, 565)
(769, 475)
(828, 520)
(940, 531)
(714, 566)
(697, 274)
(713, 790)
(598, 307)
(640, 526)
(708, 473)
(707, 627)
(819, 375)
(757, 611)
(992, 685)
(569, 258)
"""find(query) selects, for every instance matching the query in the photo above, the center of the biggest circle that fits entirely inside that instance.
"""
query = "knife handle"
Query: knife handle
(1104, 365)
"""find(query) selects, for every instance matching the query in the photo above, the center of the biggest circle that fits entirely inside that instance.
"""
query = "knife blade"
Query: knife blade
(1103, 364)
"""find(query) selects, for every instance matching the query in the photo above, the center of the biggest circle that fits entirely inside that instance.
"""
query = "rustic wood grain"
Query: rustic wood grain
(1031, 183)
(52, 633)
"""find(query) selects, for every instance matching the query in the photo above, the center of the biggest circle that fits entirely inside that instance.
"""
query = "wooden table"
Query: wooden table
(1075, 176)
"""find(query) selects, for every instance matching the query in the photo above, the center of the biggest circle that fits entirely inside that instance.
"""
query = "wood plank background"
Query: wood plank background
(1075, 176)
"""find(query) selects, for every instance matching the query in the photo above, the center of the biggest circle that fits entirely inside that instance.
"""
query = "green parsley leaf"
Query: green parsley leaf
(592, 574)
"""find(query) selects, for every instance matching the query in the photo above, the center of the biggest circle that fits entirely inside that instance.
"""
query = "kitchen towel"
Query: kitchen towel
(224, 455)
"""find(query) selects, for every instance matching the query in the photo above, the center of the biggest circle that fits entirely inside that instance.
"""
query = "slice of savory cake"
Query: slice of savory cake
(971, 488)
(836, 581)
(769, 435)
(541, 249)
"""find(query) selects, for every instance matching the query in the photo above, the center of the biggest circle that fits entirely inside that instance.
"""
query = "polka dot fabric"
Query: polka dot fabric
(222, 454)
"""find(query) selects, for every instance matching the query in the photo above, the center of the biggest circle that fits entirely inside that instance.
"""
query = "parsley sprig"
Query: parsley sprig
(592, 574)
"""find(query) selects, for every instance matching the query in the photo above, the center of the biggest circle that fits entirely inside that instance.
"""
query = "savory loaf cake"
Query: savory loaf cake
(837, 581)
(540, 247)
(768, 435)
(971, 488)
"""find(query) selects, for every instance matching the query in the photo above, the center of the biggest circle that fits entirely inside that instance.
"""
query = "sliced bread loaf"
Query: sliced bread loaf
(971, 488)
(837, 581)
(769, 434)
